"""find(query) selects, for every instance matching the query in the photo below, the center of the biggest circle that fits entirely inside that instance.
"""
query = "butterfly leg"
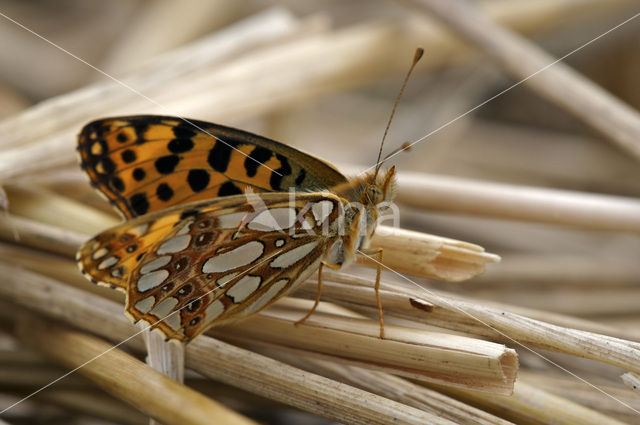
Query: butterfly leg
(377, 252)
(315, 304)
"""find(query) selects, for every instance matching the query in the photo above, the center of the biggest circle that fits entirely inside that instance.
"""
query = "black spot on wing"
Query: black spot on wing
(189, 213)
(180, 145)
(198, 179)
(117, 184)
(139, 174)
(280, 173)
(139, 203)
(228, 189)
(122, 138)
(219, 155)
(184, 130)
(108, 165)
(257, 157)
(128, 156)
(166, 164)
(140, 129)
(164, 192)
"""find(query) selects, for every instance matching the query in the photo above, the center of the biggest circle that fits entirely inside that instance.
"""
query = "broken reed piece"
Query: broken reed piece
(430, 256)
(632, 380)
(414, 353)
(458, 314)
(124, 376)
(31, 292)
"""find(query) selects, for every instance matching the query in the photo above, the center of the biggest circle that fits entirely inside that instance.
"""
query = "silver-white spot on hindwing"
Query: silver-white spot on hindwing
(145, 304)
(289, 258)
(173, 321)
(175, 244)
(232, 220)
(108, 262)
(240, 256)
(151, 280)
(155, 264)
(274, 289)
(226, 279)
(279, 243)
(213, 310)
(99, 253)
(273, 219)
(164, 307)
(321, 210)
(243, 288)
(185, 229)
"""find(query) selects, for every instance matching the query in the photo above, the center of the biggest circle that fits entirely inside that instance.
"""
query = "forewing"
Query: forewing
(147, 163)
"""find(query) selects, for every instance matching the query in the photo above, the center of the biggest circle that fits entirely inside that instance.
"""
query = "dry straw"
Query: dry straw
(456, 350)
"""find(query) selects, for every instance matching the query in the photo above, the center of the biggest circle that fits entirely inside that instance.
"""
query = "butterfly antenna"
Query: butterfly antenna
(416, 58)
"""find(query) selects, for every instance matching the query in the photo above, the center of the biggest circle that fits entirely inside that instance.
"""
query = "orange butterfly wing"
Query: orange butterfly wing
(205, 263)
(147, 163)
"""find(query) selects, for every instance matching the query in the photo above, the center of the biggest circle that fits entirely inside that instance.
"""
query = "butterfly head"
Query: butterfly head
(379, 187)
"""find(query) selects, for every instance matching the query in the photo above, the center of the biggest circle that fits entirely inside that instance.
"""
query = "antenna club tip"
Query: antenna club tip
(418, 54)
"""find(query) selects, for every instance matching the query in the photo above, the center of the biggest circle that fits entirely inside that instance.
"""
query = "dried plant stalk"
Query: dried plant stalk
(392, 387)
(295, 387)
(75, 108)
(454, 194)
(123, 376)
(242, 368)
(49, 208)
(613, 401)
(359, 54)
(37, 235)
(418, 354)
(558, 82)
(529, 405)
(430, 256)
(454, 313)
(163, 356)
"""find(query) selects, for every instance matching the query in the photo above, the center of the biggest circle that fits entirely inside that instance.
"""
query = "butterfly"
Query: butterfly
(217, 228)
(219, 222)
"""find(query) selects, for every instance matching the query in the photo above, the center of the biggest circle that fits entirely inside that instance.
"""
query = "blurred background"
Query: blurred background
(322, 76)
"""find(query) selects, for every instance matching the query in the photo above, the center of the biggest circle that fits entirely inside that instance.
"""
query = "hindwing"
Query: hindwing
(214, 261)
